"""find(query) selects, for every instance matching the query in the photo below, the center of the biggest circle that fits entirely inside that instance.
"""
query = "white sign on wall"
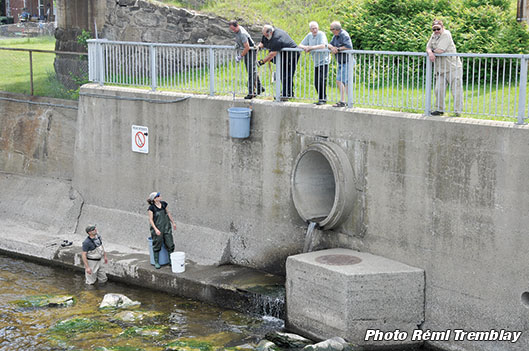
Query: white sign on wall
(140, 139)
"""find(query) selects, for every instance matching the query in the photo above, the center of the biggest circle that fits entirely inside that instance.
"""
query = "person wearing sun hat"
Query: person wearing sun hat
(162, 224)
(448, 69)
(93, 252)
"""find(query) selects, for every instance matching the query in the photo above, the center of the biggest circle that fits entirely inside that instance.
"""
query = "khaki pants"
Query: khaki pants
(453, 79)
(98, 274)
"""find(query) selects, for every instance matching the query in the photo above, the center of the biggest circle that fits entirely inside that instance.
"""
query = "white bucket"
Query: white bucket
(178, 261)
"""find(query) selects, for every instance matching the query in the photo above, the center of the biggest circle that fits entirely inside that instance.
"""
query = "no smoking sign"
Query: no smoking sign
(140, 139)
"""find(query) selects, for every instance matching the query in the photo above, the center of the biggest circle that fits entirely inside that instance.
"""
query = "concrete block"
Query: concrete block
(42, 204)
(117, 226)
(202, 245)
(341, 292)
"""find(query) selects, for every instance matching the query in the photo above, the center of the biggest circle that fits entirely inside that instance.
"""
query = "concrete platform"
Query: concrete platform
(240, 288)
(340, 292)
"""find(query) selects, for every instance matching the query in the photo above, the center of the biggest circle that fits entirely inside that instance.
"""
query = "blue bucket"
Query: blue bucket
(163, 259)
(239, 122)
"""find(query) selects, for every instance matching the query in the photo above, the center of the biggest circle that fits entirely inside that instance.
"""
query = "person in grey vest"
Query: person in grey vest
(249, 55)
(93, 253)
(313, 41)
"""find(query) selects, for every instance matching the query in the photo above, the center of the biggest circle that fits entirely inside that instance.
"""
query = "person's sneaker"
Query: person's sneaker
(457, 114)
(321, 102)
(157, 265)
(284, 99)
(249, 96)
(437, 113)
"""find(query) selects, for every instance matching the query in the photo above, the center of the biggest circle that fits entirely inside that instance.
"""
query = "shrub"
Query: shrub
(479, 26)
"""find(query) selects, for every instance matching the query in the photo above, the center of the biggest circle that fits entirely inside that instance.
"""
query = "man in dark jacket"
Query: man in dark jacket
(275, 40)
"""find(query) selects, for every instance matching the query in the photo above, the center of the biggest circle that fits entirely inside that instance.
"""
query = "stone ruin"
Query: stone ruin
(135, 21)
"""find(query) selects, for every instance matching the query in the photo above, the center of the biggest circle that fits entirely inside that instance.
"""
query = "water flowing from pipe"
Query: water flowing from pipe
(309, 237)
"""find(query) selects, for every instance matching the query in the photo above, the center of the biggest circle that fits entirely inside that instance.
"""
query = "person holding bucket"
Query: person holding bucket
(162, 224)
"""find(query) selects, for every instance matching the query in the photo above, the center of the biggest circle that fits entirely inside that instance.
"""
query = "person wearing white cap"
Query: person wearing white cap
(161, 222)
(93, 252)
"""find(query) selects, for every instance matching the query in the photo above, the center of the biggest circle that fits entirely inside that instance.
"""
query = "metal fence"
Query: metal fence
(49, 73)
(27, 29)
(491, 86)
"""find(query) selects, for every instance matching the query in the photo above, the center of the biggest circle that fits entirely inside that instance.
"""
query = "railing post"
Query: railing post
(91, 75)
(212, 72)
(522, 91)
(100, 67)
(152, 54)
(428, 88)
(278, 76)
(31, 70)
(350, 68)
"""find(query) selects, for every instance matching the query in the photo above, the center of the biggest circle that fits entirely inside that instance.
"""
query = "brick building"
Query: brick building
(38, 9)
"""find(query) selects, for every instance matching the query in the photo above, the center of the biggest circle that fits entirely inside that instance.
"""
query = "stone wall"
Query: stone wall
(144, 21)
(37, 136)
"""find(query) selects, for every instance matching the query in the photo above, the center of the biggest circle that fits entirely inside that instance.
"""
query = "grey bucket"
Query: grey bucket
(239, 122)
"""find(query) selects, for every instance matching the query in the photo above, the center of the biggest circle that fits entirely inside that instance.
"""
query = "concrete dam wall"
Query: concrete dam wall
(446, 195)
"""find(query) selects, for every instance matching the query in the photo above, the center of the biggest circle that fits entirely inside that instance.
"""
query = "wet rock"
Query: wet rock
(288, 339)
(133, 316)
(147, 331)
(189, 345)
(78, 325)
(333, 344)
(46, 301)
(266, 345)
(245, 347)
(118, 301)
(118, 348)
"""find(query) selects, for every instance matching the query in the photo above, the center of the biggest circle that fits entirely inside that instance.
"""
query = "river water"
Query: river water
(165, 319)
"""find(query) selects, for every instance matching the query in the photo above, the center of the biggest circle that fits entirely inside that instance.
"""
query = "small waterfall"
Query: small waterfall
(309, 237)
(271, 306)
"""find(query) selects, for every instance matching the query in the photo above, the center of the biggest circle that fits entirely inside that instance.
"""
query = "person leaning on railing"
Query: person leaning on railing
(341, 41)
(246, 45)
(275, 39)
(317, 40)
(448, 69)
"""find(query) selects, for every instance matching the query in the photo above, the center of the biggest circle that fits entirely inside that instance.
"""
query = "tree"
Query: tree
(479, 26)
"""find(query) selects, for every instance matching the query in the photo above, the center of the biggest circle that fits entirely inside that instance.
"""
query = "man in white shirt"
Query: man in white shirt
(314, 41)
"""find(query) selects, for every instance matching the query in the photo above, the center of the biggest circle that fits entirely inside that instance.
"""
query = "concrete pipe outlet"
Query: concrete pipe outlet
(322, 183)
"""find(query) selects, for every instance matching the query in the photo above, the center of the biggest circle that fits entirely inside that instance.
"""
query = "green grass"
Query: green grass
(38, 43)
(293, 16)
(15, 69)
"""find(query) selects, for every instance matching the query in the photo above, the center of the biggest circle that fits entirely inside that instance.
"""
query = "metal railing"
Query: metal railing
(57, 74)
(492, 86)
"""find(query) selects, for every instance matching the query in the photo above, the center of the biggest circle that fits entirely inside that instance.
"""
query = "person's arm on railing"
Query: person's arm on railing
(268, 57)
(246, 49)
(308, 48)
(243, 52)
